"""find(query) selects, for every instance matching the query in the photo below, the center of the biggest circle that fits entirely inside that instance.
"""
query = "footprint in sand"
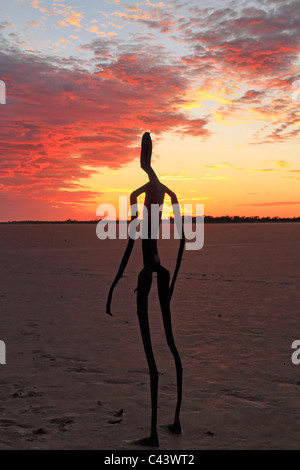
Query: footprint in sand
(62, 423)
(5, 423)
(77, 369)
(26, 394)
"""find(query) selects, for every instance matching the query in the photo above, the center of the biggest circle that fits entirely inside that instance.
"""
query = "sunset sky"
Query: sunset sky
(213, 81)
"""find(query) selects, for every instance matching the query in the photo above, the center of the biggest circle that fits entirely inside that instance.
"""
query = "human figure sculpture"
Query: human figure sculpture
(154, 194)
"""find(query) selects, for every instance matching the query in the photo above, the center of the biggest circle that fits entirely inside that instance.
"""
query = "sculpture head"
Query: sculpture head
(146, 152)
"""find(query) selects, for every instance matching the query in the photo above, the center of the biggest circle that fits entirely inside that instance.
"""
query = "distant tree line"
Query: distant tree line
(208, 219)
(236, 219)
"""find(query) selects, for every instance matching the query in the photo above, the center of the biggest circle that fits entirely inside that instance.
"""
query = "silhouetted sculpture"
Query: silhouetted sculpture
(154, 194)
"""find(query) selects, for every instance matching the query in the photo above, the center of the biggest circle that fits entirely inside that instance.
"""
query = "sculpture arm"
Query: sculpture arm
(179, 226)
(133, 200)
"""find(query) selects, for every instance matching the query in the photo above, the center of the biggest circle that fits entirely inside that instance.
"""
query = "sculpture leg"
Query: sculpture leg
(163, 279)
(143, 288)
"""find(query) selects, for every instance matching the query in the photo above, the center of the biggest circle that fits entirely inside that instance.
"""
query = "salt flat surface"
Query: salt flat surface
(70, 367)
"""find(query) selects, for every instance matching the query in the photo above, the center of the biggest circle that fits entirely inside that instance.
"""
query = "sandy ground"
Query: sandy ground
(71, 368)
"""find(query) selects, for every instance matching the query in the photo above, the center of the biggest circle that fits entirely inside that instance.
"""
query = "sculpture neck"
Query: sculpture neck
(152, 175)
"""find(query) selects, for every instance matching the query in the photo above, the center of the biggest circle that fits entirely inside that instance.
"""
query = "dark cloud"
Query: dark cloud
(252, 42)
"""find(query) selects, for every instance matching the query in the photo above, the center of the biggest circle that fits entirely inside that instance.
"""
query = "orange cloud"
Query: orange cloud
(74, 19)
(279, 163)
(59, 130)
(116, 25)
(262, 204)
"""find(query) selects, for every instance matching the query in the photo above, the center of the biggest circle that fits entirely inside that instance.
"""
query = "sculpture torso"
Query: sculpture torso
(154, 194)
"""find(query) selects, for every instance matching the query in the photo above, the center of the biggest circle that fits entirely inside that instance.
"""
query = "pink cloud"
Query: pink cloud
(62, 122)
